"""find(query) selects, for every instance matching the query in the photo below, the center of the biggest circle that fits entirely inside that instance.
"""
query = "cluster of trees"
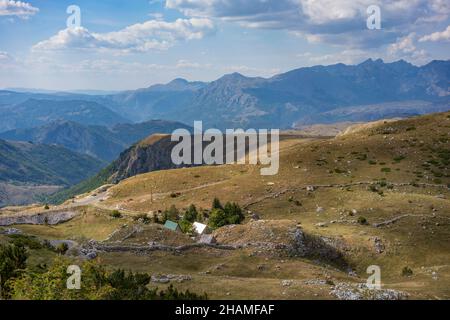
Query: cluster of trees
(96, 284)
(221, 216)
(12, 262)
(217, 217)
(19, 282)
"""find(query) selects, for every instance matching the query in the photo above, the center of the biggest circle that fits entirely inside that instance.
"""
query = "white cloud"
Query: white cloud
(341, 22)
(437, 36)
(4, 56)
(141, 37)
(405, 48)
(403, 45)
(17, 8)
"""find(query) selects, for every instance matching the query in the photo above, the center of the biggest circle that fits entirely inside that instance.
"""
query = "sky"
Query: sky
(121, 45)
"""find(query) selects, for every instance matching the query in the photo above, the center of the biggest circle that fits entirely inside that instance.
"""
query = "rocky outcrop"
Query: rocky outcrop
(347, 291)
(46, 218)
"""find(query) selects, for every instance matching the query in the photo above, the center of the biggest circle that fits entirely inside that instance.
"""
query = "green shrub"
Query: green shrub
(21, 240)
(12, 261)
(362, 220)
(386, 170)
(116, 214)
(98, 284)
(407, 272)
(217, 218)
(185, 226)
(399, 158)
(62, 248)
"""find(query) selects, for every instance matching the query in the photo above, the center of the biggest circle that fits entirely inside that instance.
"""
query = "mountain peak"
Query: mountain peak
(178, 81)
(234, 75)
(370, 61)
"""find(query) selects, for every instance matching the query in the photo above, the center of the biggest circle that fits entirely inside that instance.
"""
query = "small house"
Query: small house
(208, 239)
(200, 228)
(173, 226)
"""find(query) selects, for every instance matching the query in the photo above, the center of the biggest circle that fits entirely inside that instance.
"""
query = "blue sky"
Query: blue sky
(132, 44)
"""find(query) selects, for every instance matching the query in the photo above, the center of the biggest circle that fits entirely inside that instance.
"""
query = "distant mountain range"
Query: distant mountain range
(305, 96)
(371, 90)
(105, 143)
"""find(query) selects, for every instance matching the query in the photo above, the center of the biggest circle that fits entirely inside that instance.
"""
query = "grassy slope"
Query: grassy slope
(42, 164)
(415, 152)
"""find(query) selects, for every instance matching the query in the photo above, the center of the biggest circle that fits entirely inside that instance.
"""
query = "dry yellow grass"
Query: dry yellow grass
(379, 172)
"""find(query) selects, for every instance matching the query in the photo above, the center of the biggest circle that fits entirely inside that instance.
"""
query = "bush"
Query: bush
(116, 214)
(62, 248)
(217, 218)
(362, 220)
(155, 219)
(46, 207)
(185, 226)
(386, 170)
(21, 240)
(407, 272)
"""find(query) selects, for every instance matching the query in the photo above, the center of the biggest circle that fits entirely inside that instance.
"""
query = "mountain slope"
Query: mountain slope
(150, 154)
(156, 102)
(105, 143)
(33, 112)
(379, 194)
(22, 162)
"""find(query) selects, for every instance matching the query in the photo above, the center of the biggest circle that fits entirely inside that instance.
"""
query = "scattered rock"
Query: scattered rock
(347, 291)
(378, 245)
(91, 255)
(287, 283)
(170, 277)
(11, 231)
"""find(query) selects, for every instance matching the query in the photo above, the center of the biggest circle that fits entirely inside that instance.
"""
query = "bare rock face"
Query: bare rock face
(50, 218)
